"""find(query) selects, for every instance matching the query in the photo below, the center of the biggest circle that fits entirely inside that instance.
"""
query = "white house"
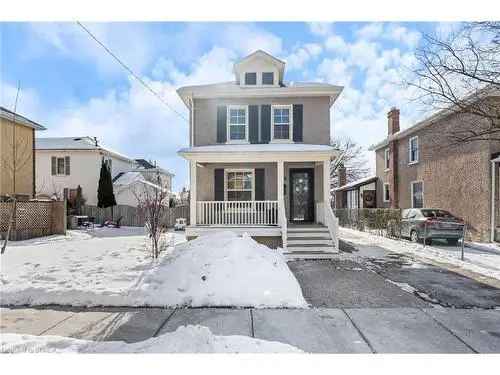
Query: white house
(259, 154)
(66, 162)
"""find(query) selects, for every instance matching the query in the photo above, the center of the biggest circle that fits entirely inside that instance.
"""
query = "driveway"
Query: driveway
(325, 330)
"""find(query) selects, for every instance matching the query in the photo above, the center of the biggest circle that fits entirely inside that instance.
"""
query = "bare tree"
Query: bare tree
(351, 157)
(457, 73)
(154, 201)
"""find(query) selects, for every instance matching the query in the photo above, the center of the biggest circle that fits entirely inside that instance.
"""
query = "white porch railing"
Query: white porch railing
(283, 222)
(237, 212)
(332, 222)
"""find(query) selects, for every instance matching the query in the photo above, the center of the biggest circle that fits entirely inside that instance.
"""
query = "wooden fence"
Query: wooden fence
(33, 219)
(132, 216)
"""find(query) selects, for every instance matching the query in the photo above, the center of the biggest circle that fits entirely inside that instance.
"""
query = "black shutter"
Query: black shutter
(260, 183)
(221, 123)
(265, 123)
(219, 184)
(54, 165)
(297, 122)
(253, 123)
(66, 166)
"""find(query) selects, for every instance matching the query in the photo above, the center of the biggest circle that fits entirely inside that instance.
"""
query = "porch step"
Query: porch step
(309, 242)
(307, 229)
(297, 241)
(305, 244)
(297, 255)
(308, 235)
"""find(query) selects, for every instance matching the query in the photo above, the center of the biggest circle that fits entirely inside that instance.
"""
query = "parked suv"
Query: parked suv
(431, 223)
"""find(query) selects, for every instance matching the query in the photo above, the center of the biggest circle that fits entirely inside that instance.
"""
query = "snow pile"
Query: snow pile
(220, 269)
(190, 339)
(483, 263)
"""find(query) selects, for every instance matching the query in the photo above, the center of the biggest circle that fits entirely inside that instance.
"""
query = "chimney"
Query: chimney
(342, 176)
(392, 121)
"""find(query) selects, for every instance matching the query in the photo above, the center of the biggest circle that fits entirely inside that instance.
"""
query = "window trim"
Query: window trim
(232, 170)
(411, 162)
(387, 160)
(411, 193)
(389, 191)
(228, 124)
(290, 123)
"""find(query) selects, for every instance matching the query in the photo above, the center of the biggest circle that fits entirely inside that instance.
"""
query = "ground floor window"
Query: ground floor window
(387, 193)
(417, 194)
(239, 185)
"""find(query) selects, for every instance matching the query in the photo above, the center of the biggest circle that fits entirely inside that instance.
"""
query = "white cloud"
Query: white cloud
(370, 31)
(302, 55)
(335, 71)
(321, 28)
(247, 38)
(336, 43)
(402, 34)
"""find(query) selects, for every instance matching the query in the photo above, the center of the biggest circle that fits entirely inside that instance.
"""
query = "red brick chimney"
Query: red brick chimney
(392, 128)
(340, 195)
(393, 121)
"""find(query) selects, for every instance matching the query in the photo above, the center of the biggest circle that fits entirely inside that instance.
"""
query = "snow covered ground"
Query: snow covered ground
(190, 339)
(484, 262)
(111, 267)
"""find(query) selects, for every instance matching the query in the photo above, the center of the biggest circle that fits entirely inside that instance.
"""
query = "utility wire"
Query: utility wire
(124, 66)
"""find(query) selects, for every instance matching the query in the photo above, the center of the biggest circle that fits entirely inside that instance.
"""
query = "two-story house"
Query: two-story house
(421, 167)
(17, 156)
(259, 158)
(63, 163)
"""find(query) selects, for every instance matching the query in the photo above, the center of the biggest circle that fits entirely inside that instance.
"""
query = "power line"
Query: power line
(124, 66)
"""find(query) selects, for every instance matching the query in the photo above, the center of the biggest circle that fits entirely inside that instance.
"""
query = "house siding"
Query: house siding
(316, 117)
(456, 178)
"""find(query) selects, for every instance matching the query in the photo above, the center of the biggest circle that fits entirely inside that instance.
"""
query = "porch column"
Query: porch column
(281, 181)
(192, 193)
(326, 184)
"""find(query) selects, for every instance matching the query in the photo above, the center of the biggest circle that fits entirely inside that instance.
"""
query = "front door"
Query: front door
(302, 195)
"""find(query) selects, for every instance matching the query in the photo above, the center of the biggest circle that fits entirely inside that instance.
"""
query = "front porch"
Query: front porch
(261, 195)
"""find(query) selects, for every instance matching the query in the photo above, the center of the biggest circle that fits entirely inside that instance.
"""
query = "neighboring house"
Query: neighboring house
(419, 167)
(65, 163)
(361, 193)
(17, 160)
(260, 157)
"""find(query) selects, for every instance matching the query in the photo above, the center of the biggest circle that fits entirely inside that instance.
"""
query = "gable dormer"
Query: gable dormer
(259, 69)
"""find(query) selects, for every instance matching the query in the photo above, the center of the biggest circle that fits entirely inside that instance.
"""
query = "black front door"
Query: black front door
(302, 195)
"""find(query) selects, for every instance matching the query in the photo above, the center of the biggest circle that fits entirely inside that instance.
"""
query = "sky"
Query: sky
(73, 87)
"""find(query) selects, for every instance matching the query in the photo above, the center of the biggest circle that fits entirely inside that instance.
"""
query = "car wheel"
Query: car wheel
(414, 236)
(452, 241)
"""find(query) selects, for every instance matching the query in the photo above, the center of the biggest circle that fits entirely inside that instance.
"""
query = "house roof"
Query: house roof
(357, 183)
(486, 92)
(76, 143)
(126, 179)
(19, 119)
(234, 90)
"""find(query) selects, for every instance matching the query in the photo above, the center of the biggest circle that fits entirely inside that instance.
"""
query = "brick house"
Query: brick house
(420, 167)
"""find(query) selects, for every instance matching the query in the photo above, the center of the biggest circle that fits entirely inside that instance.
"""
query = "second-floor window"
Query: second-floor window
(237, 123)
(413, 150)
(281, 122)
(60, 166)
(387, 159)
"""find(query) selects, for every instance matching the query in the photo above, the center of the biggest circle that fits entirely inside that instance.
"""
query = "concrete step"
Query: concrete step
(309, 236)
(309, 255)
(309, 241)
(307, 230)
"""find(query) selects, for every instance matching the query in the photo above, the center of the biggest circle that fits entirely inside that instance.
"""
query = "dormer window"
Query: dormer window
(251, 78)
(237, 123)
(268, 78)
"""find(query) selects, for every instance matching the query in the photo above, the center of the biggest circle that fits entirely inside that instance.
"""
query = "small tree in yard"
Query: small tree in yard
(105, 195)
(154, 202)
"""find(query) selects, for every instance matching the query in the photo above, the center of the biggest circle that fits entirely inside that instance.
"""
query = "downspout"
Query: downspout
(191, 121)
(492, 229)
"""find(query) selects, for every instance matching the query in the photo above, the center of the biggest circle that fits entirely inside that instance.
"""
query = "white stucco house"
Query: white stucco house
(66, 162)
(260, 154)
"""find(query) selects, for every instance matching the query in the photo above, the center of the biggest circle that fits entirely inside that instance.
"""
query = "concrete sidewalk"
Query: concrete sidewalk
(322, 330)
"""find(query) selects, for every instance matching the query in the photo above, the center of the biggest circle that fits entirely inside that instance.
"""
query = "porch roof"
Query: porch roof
(262, 152)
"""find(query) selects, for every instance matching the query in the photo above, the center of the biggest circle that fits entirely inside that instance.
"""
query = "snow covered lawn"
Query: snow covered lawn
(486, 263)
(190, 339)
(111, 267)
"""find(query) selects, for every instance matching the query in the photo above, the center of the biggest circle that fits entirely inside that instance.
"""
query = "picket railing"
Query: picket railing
(237, 212)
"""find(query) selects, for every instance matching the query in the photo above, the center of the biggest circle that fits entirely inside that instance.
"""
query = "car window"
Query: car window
(404, 214)
(437, 213)
(412, 214)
